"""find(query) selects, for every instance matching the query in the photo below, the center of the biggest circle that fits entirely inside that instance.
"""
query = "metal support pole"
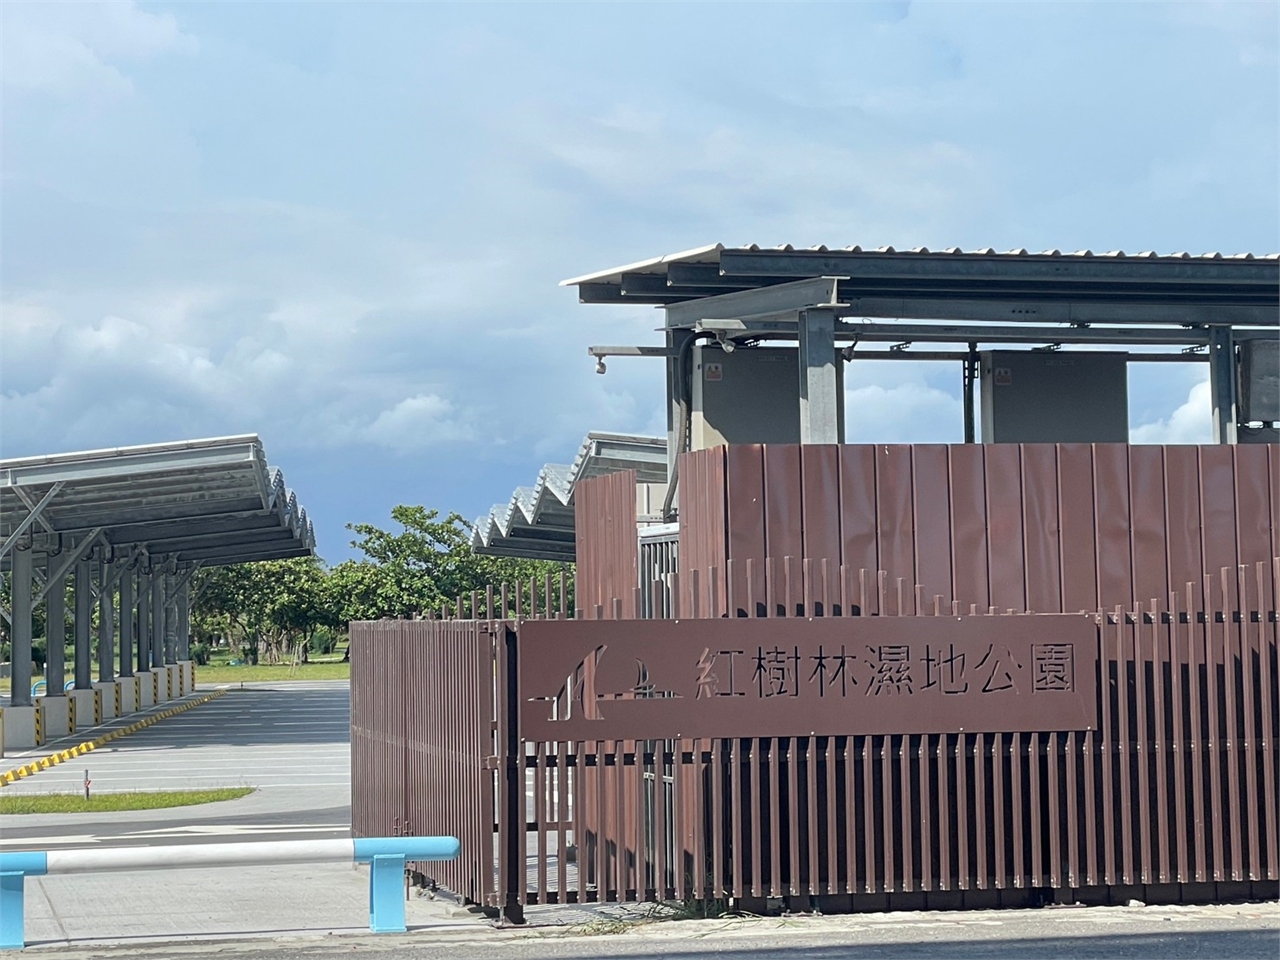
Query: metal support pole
(126, 623)
(170, 616)
(106, 624)
(819, 401)
(1222, 383)
(55, 629)
(20, 691)
(144, 621)
(970, 381)
(84, 613)
(184, 622)
(157, 616)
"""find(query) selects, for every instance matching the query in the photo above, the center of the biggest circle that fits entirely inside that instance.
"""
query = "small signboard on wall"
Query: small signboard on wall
(667, 679)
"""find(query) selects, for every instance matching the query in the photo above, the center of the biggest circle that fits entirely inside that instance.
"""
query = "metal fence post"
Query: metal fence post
(513, 808)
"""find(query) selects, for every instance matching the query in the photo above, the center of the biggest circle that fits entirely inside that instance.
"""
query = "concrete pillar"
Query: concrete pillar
(20, 632)
(819, 385)
(126, 623)
(106, 624)
(84, 613)
(143, 602)
(55, 631)
(1222, 383)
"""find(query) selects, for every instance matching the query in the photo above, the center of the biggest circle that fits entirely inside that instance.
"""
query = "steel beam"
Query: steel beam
(157, 615)
(80, 629)
(815, 292)
(30, 518)
(1122, 271)
(20, 689)
(55, 630)
(1222, 384)
(106, 624)
(73, 555)
(819, 391)
(143, 601)
(127, 613)
(31, 505)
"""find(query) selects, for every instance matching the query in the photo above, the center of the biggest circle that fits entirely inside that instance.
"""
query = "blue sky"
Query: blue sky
(342, 226)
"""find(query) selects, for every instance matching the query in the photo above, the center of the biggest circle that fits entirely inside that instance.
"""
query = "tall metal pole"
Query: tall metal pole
(55, 630)
(126, 623)
(20, 691)
(84, 613)
(106, 624)
(184, 622)
(970, 379)
(170, 615)
(144, 620)
(1222, 383)
(157, 615)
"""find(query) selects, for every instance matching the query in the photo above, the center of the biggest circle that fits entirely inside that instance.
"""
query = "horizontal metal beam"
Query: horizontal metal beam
(959, 357)
(1004, 311)
(1057, 269)
(611, 351)
(814, 292)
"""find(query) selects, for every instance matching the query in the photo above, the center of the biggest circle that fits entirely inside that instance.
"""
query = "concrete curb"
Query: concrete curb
(53, 759)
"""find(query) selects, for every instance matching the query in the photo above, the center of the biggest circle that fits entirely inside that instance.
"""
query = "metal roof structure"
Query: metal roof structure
(537, 522)
(205, 502)
(1018, 286)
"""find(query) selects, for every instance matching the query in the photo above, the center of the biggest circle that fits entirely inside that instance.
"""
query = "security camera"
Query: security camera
(600, 367)
(727, 345)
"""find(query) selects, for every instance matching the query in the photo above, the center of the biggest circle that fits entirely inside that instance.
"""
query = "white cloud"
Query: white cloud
(67, 49)
(1191, 422)
(417, 423)
(910, 412)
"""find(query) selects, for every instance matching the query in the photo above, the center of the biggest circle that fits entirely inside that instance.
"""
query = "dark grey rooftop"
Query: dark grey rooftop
(1017, 285)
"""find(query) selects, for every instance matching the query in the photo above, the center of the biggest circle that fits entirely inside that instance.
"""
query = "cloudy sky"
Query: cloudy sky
(342, 226)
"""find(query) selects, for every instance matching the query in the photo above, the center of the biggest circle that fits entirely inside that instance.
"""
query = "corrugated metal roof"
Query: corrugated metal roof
(711, 254)
(214, 501)
(537, 522)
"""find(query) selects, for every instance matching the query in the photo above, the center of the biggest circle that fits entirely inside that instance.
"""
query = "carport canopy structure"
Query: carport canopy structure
(137, 521)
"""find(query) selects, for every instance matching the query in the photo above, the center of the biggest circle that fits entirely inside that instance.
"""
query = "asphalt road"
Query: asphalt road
(290, 741)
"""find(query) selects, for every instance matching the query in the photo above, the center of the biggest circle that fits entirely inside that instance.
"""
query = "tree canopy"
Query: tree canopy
(426, 563)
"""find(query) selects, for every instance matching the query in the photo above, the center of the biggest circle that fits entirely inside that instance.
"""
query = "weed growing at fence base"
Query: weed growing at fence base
(147, 800)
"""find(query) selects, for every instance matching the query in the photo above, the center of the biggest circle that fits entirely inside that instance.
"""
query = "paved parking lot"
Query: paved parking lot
(290, 741)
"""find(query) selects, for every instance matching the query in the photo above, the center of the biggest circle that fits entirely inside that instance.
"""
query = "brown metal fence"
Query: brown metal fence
(1043, 527)
(423, 740)
(1172, 795)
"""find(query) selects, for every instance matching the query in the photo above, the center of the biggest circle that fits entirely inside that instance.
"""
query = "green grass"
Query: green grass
(221, 673)
(74, 803)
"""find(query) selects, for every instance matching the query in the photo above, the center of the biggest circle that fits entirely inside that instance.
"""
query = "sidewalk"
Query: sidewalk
(162, 906)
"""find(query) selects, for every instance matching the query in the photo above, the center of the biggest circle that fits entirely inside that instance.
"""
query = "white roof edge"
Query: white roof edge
(642, 264)
(106, 453)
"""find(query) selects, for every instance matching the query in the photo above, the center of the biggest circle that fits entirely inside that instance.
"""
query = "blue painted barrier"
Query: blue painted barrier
(386, 857)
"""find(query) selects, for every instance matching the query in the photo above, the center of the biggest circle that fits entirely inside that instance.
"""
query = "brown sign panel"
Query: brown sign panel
(666, 679)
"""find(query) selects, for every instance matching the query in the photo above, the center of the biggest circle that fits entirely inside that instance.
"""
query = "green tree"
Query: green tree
(266, 608)
(427, 564)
